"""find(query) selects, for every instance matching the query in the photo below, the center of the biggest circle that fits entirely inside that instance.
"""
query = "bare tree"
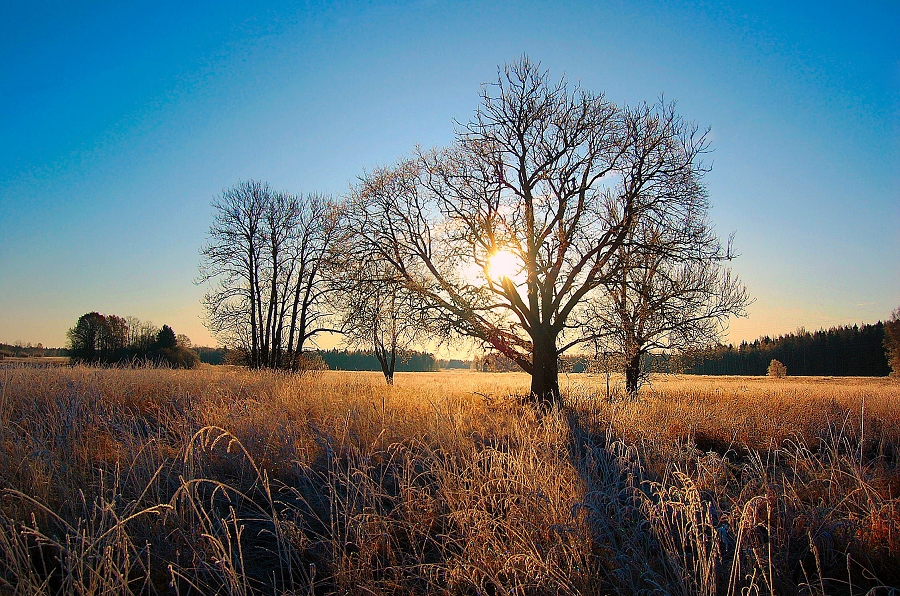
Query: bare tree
(504, 235)
(141, 335)
(670, 290)
(98, 338)
(313, 249)
(379, 312)
(233, 258)
(266, 254)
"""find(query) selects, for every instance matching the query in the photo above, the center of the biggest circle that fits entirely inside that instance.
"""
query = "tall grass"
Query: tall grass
(226, 481)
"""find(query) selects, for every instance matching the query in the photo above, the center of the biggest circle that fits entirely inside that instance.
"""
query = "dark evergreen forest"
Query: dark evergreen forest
(344, 360)
(839, 351)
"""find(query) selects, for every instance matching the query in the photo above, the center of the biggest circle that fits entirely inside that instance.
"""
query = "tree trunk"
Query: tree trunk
(545, 371)
(293, 351)
(387, 362)
(254, 331)
(633, 373)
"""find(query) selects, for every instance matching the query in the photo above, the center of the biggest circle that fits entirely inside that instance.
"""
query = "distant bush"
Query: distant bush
(178, 357)
(892, 342)
(777, 369)
(109, 339)
(310, 362)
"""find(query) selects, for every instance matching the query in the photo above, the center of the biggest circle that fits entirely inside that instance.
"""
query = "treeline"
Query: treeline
(343, 360)
(367, 360)
(110, 339)
(28, 350)
(454, 363)
(209, 355)
(569, 363)
(838, 351)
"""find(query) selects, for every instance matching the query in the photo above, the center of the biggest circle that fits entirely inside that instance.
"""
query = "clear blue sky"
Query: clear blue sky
(121, 121)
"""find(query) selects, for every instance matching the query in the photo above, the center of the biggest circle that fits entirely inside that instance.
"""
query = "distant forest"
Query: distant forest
(23, 350)
(334, 359)
(352, 360)
(366, 360)
(839, 351)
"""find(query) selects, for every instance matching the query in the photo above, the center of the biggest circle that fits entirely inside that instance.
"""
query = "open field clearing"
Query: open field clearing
(15, 362)
(221, 480)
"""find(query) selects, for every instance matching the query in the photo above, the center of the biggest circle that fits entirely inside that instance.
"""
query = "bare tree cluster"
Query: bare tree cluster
(141, 334)
(555, 221)
(266, 255)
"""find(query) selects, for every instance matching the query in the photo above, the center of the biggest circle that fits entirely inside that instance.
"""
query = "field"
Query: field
(221, 480)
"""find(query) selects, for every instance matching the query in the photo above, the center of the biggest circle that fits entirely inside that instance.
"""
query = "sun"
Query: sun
(504, 264)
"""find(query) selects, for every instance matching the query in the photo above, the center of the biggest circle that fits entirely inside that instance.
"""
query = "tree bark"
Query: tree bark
(633, 373)
(387, 363)
(387, 360)
(545, 371)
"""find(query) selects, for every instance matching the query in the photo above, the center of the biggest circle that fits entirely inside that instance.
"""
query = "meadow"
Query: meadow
(227, 481)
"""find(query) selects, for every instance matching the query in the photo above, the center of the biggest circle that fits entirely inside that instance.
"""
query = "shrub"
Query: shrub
(892, 342)
(309, 362)
(178, 357)
(777, 369)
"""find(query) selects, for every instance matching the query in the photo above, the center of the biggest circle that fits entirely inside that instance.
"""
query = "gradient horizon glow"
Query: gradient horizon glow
(122, 121)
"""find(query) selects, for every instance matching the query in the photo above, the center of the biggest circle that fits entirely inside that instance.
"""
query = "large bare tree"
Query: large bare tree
(266, 256)
(507, 233)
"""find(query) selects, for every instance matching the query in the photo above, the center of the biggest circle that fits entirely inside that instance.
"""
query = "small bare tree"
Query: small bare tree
(670, 291)
(378, 311)
(141, 335)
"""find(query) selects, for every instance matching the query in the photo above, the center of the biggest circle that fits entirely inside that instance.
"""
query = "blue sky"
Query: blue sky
(122, 121)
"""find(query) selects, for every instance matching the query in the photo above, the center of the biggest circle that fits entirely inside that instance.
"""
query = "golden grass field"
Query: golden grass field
(226, 481)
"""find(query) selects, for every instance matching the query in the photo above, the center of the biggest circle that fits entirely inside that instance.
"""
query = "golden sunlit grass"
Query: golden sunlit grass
(226, 481)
